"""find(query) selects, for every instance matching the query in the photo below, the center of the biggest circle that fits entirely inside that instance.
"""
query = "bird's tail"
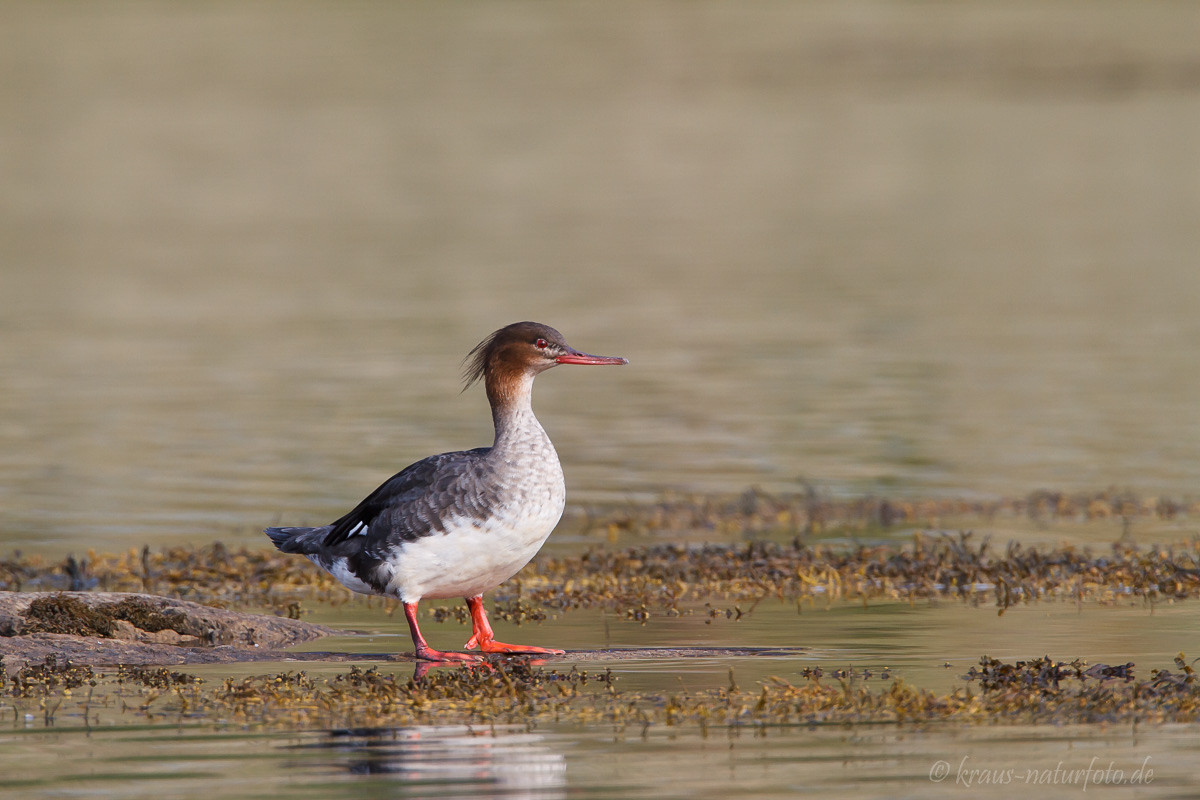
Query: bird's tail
(297, 540)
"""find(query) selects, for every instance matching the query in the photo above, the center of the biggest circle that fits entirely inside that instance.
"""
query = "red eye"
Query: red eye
(542, 344)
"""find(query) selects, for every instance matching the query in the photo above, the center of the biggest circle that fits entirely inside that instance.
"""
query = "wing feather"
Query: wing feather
(418, 500)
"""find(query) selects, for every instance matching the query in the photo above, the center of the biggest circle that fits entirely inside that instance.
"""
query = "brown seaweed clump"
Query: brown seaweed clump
(154, 677)
(1039, 691)
(212, 574)
(1043, 690)
(662, 578)
(501, 692)
(53, 677)
(60, 613)
(653, 580)
(63, 613)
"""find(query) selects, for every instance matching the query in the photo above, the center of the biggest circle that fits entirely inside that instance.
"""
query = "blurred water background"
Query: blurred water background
(911, 249)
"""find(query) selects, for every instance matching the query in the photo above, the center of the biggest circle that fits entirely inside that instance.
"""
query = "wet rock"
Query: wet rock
(120, 628)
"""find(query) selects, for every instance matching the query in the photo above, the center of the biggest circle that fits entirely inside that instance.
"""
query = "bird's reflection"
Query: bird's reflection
(451, 761)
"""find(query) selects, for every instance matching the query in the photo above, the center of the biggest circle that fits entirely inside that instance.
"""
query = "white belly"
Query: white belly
(470, 559)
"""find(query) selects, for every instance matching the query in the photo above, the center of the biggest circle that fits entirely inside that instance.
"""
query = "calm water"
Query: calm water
(914, 249)
(419, 762)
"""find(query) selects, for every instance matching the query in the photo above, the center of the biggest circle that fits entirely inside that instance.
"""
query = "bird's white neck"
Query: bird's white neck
(516, 426)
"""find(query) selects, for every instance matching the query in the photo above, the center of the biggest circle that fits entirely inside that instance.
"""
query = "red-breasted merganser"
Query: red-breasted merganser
(459, 524)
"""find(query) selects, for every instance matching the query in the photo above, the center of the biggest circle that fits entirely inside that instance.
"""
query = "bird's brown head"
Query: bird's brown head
(508, 360)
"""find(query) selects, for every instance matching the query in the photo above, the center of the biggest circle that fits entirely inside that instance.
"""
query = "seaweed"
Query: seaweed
(144, 614)
(51, 678)
(1040, 691)
(60, 613)
(65, 614)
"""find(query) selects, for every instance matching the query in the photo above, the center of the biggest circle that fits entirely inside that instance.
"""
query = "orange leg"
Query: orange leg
(424, 651)
(483, 638)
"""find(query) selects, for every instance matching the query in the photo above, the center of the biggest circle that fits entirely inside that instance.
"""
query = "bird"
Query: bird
(459, 524)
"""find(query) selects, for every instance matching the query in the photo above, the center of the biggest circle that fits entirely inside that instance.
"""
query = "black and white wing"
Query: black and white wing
(418, 501)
